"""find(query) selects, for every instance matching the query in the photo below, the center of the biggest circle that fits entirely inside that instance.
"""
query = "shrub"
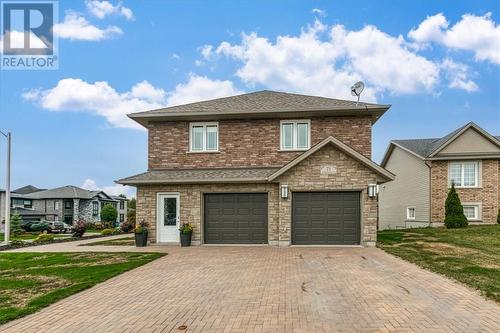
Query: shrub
(107, 232)
(454, 211)
(39, 226)
(117, 231)
(44, 237)
(17, 242)
(127, 226)
(15, 224)
(108, 214)
(79, 228)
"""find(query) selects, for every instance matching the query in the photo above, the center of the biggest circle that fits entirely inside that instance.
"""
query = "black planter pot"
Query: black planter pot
(186, 239)
(141, 239)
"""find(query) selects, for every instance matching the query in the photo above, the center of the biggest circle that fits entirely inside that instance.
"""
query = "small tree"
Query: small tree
(109, 214)
(15, 224)
(454, 211)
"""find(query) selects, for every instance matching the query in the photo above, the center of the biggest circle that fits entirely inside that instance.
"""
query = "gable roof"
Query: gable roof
(429, 147)
(342, 147)
(28, 189)
(65, 192)
(261, 104)
(193, 176)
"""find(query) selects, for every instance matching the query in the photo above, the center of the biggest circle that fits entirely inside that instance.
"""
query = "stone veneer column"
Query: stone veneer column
(76, 208)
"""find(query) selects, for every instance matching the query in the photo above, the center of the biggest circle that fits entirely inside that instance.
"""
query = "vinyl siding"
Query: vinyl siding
(409, 189)
(470, 142)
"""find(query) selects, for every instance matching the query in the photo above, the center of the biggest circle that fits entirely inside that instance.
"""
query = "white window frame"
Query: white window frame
(204, 145)
(462, 175)
(408, 217)
(477, 209)
(294, 143)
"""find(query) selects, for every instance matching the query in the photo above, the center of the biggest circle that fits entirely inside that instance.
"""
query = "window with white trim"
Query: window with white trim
(464, 174)
(410, 213)
(471, 212)
(203, 137)
(295, 134)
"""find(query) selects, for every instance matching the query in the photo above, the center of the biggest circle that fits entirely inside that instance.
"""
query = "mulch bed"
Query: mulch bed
(56, 240)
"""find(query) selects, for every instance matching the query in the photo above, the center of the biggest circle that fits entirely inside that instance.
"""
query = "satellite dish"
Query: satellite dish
(357, 89)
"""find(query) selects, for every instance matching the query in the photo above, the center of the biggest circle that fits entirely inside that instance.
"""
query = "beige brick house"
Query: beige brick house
(469, 157)
(261, 168)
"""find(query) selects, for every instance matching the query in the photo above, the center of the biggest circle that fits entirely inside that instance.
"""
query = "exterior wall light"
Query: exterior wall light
(372, 190)
(284, 191)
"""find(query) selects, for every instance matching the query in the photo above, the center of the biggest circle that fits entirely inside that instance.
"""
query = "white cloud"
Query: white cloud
(101, 99)
(320, 63)
(479, 34)
(458, 76)
(75, 27)
(91, 185)
(319, 12)
(101, 9)
(200, 88)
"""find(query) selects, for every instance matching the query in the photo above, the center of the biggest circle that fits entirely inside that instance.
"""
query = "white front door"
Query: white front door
(168, 217)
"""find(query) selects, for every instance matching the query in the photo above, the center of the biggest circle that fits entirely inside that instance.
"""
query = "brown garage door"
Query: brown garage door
(235, 218)
(326, 218)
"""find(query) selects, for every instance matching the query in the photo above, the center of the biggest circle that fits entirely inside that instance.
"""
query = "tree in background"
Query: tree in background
(454, 211)
(131, 211)
(108, 215)
(15, 224)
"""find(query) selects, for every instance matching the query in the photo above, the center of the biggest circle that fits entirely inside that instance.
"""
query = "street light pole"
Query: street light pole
(8, 135)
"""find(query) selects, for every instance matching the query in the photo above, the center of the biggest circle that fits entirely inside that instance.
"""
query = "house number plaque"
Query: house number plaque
(328, 170)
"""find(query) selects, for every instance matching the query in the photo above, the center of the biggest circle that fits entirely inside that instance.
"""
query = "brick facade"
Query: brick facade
(248, 143)
(306, 176)
(488, 194)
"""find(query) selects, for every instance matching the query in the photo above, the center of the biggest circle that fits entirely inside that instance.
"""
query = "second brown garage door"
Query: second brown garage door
(235, 218)
(326, 218)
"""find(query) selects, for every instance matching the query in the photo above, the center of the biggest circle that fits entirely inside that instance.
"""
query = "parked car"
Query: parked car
(67, 228)
(56, 227)
(33, 226)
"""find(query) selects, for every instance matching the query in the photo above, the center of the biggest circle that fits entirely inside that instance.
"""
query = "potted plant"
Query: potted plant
(141, 234)
(186, 231)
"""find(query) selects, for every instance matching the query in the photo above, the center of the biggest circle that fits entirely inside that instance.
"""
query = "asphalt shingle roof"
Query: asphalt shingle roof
(176, 176)
(64, 192)
(261, 101)
(28, 189)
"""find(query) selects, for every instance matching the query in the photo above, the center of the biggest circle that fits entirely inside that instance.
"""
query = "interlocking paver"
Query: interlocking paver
(267, 289)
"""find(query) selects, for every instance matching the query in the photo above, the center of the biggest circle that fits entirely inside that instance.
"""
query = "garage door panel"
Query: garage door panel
(235, 218)
(325, 218)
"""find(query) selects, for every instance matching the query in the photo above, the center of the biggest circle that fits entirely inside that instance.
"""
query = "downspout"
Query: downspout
(429, 165)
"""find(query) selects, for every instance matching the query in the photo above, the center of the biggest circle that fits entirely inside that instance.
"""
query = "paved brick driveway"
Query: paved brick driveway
(268, 289)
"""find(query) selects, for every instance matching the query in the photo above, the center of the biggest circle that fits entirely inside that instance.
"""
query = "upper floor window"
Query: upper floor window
(28, 204)
(295, 134)
(203, 137)
(122, 204)
(68, 204)
(464, 174)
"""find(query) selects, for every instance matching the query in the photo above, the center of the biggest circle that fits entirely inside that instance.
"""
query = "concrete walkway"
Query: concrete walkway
(267, 289)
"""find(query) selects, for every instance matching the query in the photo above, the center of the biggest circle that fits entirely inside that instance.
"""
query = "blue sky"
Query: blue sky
(436, 62)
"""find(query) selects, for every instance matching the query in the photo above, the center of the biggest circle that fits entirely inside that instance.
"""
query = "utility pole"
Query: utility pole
(8, 135)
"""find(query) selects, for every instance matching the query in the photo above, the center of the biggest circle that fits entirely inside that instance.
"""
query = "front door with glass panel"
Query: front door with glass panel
(168, 218)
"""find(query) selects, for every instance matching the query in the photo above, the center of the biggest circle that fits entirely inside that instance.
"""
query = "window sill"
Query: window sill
(204, 152)
(466, 187)
(292, 150)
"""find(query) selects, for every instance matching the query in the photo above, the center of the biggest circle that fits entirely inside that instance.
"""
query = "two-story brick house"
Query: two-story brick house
(469, 157)
(261, 168)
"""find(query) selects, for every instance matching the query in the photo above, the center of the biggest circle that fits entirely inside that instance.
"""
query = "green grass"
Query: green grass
(31, 281)
(113, 242)
(470, 255)
(30, 235)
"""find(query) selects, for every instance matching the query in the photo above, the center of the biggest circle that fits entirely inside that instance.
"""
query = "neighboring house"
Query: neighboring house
(469, 157)
(66, 203)
(121, 207)
(261, 168)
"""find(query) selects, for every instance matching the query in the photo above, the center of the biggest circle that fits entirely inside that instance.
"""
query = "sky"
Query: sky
(436, 62)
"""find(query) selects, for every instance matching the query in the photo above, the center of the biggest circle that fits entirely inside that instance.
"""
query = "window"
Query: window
(204, 137)
(464, 174)
(56, 218)
(56, 205)
(28, 204)
(68, 204)
(95, 208)
(122, 217)
(471, 211)
(295, 134)
(122, 204)
(410, 213)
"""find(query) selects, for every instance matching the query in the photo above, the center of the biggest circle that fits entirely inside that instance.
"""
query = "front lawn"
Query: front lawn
(470, 255)
(31, 281)
(127, 241)
(29, 235)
